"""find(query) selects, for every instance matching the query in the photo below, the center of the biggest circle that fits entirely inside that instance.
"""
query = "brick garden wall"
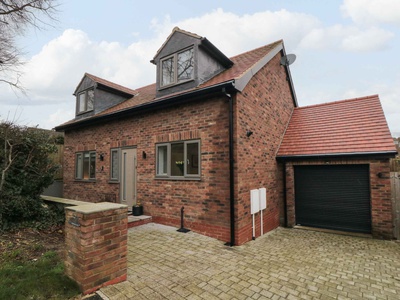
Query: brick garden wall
(264, 107)
(96, 245)
(380, 192)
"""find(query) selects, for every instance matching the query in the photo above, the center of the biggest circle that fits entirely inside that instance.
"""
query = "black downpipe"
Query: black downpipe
(285, 222)
(231, 173)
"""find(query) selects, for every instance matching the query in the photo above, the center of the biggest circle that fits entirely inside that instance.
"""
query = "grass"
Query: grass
(34, 279)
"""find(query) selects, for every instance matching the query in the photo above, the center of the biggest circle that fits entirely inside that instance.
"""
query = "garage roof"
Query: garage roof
(347, 127)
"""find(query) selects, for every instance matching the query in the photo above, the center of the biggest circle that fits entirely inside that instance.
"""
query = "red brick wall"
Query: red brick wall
(380, 193)
(264, 107)
(206, 201)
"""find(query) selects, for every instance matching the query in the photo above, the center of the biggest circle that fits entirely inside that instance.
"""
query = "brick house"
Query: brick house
(202, 137)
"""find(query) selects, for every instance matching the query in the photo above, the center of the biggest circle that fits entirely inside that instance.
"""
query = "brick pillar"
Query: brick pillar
(96, 244)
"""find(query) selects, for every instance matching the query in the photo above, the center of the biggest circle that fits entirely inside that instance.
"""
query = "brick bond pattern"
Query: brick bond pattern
(264, 107)
(96, 246)
(285, 264)
(380, 192)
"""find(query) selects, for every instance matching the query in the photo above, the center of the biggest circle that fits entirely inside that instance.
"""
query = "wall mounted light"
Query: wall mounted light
(249, 133)
(101, 157)
(383, 175)
(144, 155)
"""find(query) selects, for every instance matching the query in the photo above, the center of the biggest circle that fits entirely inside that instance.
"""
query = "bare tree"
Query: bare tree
(16, 16)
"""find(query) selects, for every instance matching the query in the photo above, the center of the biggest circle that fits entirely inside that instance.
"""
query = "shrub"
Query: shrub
(26, 170)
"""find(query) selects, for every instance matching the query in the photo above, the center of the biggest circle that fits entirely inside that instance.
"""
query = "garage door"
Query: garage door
(333, 197)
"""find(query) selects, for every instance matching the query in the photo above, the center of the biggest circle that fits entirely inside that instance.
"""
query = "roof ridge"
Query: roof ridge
(339, 101)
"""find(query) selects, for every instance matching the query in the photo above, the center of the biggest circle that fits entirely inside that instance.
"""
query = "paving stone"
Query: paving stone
(283, 264)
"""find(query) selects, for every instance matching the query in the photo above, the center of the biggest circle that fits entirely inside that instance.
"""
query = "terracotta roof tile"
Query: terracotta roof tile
(342, 127)
(147, 94)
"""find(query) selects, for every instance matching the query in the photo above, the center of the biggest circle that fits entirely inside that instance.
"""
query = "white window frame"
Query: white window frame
(79, 156)
(175, 68)
(85, 104)
(186, 160)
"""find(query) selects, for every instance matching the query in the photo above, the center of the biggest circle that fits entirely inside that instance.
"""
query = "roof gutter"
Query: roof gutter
(161, 103)
(380, 154)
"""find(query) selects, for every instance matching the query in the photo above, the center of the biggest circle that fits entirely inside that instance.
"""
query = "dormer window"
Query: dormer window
(177, 68)
(85, 101)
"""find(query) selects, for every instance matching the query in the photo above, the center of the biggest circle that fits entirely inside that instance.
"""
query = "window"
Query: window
(85, 101)
(180, 159)
(85, 167)
(114, 173)
(177, 68)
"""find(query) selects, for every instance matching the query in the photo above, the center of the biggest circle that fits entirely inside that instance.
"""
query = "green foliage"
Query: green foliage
(26, 169)
(41, 279)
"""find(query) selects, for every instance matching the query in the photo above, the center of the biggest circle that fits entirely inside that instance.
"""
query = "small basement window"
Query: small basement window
(85, 101)
(178, 160)
(85, 165)
(177, 68)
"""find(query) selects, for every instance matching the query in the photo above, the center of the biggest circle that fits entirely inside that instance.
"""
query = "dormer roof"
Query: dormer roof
(106, 83)
(204, 43)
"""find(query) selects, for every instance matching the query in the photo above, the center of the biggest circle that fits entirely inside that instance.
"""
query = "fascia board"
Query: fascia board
(243, 80)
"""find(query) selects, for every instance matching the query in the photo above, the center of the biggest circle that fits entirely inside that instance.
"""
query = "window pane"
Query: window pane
(185, 65)
(78, 167)
(168, 73)
(90, 99)
(177, 159)
(86, 157)
(81, 102)
(192, 158)
(162, 160)
(114, 165)
(92, 166)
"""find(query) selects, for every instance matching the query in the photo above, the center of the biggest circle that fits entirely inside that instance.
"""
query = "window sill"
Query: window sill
(85, 180)
(84, 112)
(113, 181)
(174, 84)
(179, 178)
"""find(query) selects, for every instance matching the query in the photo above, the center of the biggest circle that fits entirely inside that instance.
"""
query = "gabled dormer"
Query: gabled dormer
(186, 60)
(94, 95)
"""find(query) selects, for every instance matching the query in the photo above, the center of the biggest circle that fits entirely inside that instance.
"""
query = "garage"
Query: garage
(333, 197)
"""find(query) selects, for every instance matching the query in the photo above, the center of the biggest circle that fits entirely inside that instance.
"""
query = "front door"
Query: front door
(128, 177)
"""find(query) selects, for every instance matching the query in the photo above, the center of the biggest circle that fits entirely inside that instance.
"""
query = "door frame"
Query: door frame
(124, 176)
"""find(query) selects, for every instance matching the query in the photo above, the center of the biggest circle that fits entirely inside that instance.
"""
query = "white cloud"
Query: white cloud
(347, 38)
(372, 12)
(52, 74)
(234, 34)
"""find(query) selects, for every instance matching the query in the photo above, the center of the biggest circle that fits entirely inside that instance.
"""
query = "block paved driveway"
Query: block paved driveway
(284, 264)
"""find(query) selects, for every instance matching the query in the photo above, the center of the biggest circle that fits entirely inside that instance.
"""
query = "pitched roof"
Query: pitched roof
(110, 84)
(347, 127)
(245, 65)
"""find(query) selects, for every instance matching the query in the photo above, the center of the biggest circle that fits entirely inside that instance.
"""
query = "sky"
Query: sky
(344, 48)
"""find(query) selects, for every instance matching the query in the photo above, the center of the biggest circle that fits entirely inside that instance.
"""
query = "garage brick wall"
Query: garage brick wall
(380, 192)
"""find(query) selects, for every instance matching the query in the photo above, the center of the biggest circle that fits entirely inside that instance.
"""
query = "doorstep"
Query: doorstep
(134, 221)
